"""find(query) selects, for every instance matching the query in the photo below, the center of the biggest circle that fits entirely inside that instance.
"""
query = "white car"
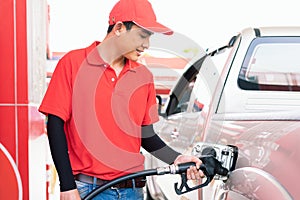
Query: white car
(252, 102)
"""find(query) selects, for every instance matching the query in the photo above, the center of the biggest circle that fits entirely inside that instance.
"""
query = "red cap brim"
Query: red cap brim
(155, 27)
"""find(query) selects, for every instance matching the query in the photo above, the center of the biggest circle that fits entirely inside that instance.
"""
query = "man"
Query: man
(101, 106)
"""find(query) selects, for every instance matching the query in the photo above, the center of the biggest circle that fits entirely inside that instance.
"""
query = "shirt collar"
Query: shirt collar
(93, 58)
(92, 55)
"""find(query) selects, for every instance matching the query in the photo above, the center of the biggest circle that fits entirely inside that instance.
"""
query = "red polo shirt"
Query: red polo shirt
(103, 113)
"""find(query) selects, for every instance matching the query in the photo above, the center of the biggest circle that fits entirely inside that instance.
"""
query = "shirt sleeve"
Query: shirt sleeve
(57, 100)
(152, 109)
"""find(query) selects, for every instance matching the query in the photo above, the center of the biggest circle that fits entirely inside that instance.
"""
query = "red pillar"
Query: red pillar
(15, 112)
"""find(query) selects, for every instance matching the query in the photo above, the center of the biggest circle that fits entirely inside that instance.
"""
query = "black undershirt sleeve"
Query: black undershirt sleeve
(152, 143)
(59, 151)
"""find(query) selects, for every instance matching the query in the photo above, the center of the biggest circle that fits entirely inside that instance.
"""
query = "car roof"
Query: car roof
(273, 31)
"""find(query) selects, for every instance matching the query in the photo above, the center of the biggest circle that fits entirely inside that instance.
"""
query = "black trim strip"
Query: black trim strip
(257, 32)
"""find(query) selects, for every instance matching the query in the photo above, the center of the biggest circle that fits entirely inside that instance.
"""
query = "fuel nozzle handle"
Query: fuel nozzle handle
(181, 168)
(177, 169)
(210, 167)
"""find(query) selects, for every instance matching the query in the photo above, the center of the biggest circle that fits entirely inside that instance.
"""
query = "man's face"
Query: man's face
(133, 42)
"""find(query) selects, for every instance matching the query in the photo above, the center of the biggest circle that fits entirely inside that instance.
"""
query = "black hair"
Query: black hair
(127, 24)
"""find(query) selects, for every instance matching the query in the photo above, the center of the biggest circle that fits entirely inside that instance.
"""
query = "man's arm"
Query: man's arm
(152, 143)
(59, 151)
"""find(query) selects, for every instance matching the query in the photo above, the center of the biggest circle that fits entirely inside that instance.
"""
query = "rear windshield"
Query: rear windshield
(272, 63)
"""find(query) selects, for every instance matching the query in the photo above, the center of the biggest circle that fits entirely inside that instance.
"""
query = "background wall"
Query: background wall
(75, 23)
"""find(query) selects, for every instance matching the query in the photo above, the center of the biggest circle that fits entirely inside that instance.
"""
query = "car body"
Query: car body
(252, 101)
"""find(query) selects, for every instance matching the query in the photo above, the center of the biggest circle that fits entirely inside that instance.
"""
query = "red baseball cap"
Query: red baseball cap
(140, 12)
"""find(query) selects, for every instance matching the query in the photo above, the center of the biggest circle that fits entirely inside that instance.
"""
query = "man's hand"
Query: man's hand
(70, 195)
(193, 173)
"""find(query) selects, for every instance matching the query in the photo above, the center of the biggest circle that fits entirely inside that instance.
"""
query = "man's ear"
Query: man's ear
(118, 28)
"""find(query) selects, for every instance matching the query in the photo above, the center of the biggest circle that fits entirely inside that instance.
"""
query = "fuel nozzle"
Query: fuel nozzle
(210, 167)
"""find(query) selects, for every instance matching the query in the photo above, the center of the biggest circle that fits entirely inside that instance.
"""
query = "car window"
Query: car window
(185, 97)
(182, 92)
(202, 94)
(207, 79)
(272, 63)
